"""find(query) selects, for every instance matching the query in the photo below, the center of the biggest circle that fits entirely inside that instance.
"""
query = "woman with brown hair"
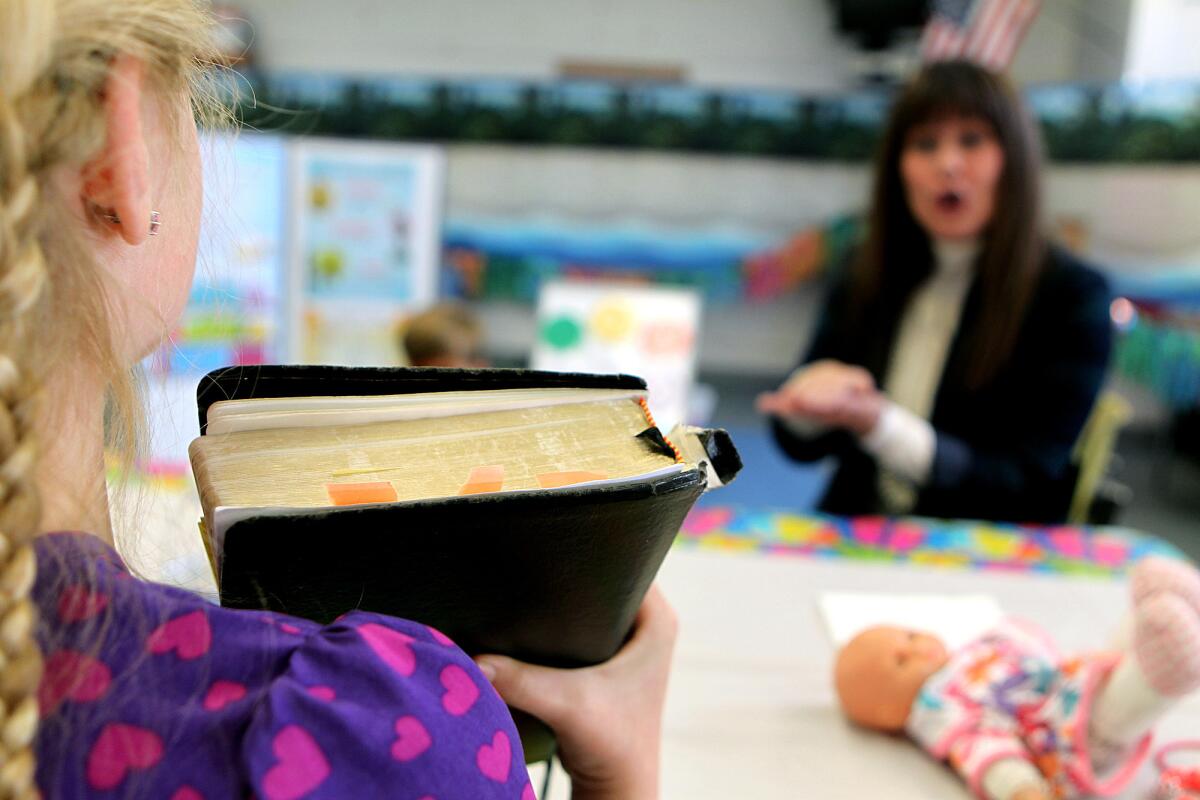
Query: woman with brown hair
(954, 366)
(111, 686)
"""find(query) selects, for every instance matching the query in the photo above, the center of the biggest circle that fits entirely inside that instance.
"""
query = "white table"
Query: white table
(751, 712)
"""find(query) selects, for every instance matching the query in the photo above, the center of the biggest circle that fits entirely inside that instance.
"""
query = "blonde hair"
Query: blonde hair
(55, 57)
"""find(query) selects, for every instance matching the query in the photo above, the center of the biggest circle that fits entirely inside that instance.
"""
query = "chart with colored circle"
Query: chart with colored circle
(650, 332)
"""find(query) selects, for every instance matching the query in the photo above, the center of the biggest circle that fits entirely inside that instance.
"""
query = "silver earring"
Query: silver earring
(155, 220)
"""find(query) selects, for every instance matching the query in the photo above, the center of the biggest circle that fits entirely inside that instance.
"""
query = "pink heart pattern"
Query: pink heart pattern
(527, 792)
(188, 635)
(222, 693)
(70, 675)
(119, 749)
(78, 603)
(393, 647)
(440, 637)
(325, 693)
(495, 759)
(412, 739)
(461, 691)
(188, 793)
(302, 765)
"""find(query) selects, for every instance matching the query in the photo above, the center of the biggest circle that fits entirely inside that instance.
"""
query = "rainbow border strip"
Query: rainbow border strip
(1097, 552)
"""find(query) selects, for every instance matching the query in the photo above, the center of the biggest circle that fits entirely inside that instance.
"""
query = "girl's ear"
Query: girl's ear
(117, 180)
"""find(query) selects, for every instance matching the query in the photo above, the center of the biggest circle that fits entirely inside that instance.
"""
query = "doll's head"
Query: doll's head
(879, 673)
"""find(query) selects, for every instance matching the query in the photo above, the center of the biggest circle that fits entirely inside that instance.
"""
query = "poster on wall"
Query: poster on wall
(234, 313)
(650, 332)
(365, 247)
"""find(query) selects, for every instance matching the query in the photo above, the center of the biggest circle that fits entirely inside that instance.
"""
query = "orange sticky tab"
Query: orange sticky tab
(484, 479)
(352, 494)
(553, 480)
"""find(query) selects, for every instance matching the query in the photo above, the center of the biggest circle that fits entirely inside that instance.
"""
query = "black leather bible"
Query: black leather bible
(519, 512)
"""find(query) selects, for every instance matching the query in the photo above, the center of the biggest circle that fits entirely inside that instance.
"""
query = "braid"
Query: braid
(54, 58)
(23, 279)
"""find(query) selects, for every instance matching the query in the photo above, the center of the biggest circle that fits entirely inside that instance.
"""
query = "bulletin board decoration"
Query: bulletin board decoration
(365, 246)
(803, 257)
(1085, 122)
(510, 259)
(962, 545)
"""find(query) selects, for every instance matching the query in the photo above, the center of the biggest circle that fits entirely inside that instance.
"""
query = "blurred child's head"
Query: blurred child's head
(445, 335)
(879, 673)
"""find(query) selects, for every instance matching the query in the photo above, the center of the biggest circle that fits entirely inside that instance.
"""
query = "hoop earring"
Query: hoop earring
(155, 220)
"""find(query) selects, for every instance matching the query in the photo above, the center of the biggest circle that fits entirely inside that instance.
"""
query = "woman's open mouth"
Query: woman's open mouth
(950, 202)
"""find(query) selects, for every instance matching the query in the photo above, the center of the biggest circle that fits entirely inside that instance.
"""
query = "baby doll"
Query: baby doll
(1016, 720)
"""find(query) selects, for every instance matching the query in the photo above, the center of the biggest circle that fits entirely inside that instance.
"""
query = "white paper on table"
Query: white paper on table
(954, 618)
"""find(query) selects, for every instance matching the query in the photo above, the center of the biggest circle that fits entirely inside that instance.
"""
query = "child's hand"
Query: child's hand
(830, 392)
(608, 718)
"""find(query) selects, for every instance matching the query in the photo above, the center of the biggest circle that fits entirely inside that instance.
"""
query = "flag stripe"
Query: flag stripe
(985, 31)
(1025, 15)
(988, 36)
(984, 25)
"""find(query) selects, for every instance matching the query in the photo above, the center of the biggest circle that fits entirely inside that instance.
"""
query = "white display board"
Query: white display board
(645, 331)
(365, 247)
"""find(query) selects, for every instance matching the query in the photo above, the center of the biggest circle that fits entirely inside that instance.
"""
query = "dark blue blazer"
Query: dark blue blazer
(1003, 451)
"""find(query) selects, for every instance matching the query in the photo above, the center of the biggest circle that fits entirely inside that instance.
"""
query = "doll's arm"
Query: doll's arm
(1014, 779)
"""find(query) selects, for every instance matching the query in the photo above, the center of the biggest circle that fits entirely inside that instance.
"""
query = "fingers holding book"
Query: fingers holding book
(608, 718)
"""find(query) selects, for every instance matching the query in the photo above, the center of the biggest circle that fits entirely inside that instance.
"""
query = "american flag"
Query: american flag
(987, 32)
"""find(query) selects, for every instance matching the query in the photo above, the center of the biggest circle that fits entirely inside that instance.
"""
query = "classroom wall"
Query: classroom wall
(1075, 41)
(774, 43)
(786, 44)
(686, 190)
(1139, 216)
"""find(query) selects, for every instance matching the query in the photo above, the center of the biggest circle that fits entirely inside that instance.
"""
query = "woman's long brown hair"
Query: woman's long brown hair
(897, 253)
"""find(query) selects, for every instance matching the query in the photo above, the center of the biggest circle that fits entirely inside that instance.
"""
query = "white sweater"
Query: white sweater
(903, 440)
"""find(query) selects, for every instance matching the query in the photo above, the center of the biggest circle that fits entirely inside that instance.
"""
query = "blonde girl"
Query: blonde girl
(114, 687)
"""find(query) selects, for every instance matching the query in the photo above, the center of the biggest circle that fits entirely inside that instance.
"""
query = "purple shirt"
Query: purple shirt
(151, 692)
